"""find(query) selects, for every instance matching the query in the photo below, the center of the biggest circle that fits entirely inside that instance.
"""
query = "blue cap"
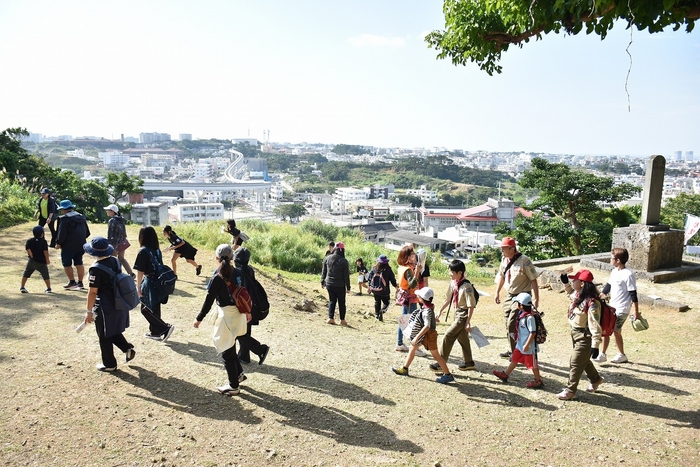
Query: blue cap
(65, 204)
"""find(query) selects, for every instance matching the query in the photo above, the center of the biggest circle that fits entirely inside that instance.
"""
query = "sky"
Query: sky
(324, 71)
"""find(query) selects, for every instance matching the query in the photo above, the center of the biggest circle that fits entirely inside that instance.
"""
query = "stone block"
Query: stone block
(650, 249)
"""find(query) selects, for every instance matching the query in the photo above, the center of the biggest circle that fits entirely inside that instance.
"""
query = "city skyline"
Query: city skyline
(353, 74)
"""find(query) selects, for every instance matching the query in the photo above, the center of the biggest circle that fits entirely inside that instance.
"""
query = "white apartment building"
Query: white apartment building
(343, 197)
(202, 170)
(207, 196)
(427, 196)
(157, 160)
(199, 212)
(113, 159)
(276, 192)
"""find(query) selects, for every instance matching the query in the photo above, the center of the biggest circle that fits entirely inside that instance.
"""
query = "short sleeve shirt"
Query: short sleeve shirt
(175, 239)
(37, 246)
(622, 282)
(520, 275)
(100, 279)
(526, 326)
(465, 296)
(143, 261)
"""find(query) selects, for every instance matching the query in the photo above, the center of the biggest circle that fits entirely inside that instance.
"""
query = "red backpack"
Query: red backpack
(607, 318)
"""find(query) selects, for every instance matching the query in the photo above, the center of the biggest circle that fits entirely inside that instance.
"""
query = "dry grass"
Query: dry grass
(326, 395)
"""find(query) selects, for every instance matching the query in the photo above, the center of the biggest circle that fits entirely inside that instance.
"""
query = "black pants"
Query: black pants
(156, 326)
(107, 343)
(249, 344)
(52, 229)
(336, 295)
(232, 365)
(379, 310)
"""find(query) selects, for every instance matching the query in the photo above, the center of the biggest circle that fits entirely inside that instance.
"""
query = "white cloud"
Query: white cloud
(372, 40)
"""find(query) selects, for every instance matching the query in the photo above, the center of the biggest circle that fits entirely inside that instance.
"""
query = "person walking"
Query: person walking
(148, 257)
(362, 273)
(335, 278)
(248, 344)
(38, 252)
(408, 275)
(182, 248)
(584, 319)
(116, 234)
(460, 295)
(380, 278)
(424, 332)
(72, 234)
(110, 323)
(526, 347)
(230, 322)
(47, 213)
(516, 274)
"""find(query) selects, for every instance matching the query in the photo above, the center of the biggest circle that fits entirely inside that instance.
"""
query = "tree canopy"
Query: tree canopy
(480, 30)
(673, 213)
(569, 217)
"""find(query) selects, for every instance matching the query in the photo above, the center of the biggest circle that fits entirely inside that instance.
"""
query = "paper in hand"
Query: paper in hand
(479, 339)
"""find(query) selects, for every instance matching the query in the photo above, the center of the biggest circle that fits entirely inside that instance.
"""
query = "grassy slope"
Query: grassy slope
(326, 395)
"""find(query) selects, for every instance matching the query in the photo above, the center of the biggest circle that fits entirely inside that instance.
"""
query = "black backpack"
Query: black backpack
(261, 306)
(126, 296)
(378, 285)
(476, 292)
(163, 277)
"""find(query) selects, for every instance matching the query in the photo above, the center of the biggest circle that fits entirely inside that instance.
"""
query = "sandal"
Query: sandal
(534, 384)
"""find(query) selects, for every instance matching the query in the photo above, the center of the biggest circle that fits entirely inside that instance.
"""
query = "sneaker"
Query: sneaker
(435, 367)
(601, 358)
(420, 353)
(242, 377)
(70, 284)
(330, 321)
(227, 390)
(620, 358)
(401, 348)
(199, 269)
(168, 333)
(566, 395)
(403, 371)
(593, 387)
(48, 290)
(505, 354)
(343, 322)
(263, 355)
(23, 290)
(80, 286)
(76, 286)
(444, 379)
(148, 335)
(130, 354)
(534, 384)
(467, 366)
(500, 375)
(101, 367)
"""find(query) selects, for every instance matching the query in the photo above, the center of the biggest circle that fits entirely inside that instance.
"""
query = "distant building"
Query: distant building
(376, 232)
(149, 138)
(199, 212)
(185, 136)
(149, 213)
(427, 196)
(251, 141)
(257, 168)
(113, 159)
(483, 218)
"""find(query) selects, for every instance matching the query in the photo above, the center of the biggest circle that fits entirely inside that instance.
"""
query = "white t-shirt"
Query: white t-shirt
(621, 282)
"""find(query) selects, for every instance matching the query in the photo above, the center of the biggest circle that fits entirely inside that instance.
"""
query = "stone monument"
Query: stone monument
(652, 245)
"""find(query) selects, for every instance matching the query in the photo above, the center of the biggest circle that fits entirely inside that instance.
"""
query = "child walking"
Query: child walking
(38, 252)
(424, 333)
(361, 276)
(526, 348)
(380, 277)
(182, 248)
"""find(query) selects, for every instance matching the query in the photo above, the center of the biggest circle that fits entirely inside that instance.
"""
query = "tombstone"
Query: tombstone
(652, 246)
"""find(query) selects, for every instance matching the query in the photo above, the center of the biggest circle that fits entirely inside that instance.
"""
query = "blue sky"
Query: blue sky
(336, 72)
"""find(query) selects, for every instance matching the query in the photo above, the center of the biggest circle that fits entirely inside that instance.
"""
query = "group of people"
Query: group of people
(108, 254)
(517, 291)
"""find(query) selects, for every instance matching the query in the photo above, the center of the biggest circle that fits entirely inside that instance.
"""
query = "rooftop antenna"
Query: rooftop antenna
(499, 189)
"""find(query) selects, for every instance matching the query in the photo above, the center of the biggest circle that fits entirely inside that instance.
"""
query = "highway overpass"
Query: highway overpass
(204, 186)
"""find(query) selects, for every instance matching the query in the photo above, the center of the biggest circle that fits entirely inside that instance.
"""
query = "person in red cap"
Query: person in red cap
(586, 333)
(517, 274)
